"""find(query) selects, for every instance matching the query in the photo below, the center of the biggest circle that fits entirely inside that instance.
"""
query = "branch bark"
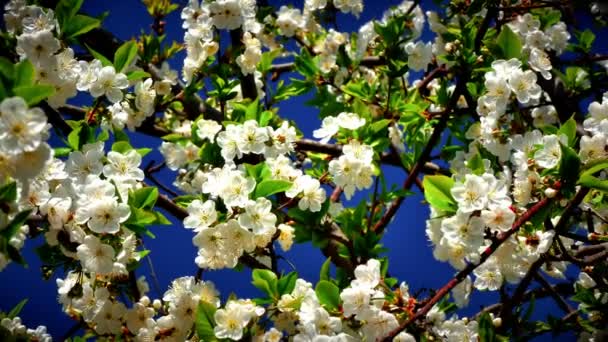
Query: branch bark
(460, 276)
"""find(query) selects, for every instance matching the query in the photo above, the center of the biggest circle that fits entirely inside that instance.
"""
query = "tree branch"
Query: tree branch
(460, 276)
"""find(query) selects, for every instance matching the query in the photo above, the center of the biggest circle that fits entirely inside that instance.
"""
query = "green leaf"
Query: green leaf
(328, 294)
(144, 198)
(80, 24)
(66, 10)
(205, 321)
(486, 328)
(569, 167)
(593, 182)
(324, 273)
(305, 64)
(476, 164)
(270, 187)
(595, 166)
(7, 68)
(141, 217)
(287, 283)
(103, 59)
(568, 129)
(15, 224)
(17, 309)
(161, 219)
(258, 172)
(264, 117)
(379, 125)
(437, 192)
(8, 192)
(586, 39)
(34, 94)
(125, 54)
(24, 74)
(137, 75)
(143, 151)
(121, 147)
(509, 43)
(266, 281)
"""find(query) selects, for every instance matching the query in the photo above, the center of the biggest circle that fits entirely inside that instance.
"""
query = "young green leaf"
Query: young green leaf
(125, 54)
(266, 281)
(144, 198)
(270, 187)
(24, 74)
(205, 321)
(17, 309)
(35, 93)
(8, 192)
(80, 24)
(328, 294)
(287, 283)
(509, 43)
(437, 192)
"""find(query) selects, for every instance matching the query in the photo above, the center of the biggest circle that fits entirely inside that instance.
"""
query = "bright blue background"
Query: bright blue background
(173, 254)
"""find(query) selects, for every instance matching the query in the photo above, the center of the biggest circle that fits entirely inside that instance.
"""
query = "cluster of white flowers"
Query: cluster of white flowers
(536, 41)
(18, 331)
(252, 55)
(24, 155)
(289, 20)
(133, 113)
(349, 6)
(332, 124)
(327, 50)
(201, 18)
(595, 146)
(485, 204)
(172, 318)
(238, 140)
(354, 169)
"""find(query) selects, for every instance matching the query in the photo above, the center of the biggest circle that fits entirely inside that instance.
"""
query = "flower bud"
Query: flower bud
(157, 304)
(550, 192)
(497, 322)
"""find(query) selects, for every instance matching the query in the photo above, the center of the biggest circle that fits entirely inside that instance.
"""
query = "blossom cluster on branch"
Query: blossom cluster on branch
(505, 134)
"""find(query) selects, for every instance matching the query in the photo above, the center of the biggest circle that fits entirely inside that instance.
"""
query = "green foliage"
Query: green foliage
(269, 187)
(79, 25)
(17, 309)
(124, 56)
(267, 282)
(509, 43)
(205, 321)
(568, 129)
(569, 168)
(287, 283)
(328, 294)
(8, 192)
(437, 192)
(486, 328)
(143, 198)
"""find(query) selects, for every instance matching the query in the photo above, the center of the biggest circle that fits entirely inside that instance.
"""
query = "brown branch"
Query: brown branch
(460, 276)
(424, 156)
(562, 289)
(561, 302)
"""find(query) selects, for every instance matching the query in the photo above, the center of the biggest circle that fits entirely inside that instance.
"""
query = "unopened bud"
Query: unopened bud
(157, 304)
(550, 192)
(497, 322)
(145, 300)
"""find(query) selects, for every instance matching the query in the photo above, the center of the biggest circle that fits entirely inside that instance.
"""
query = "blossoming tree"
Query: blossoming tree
(510, 92)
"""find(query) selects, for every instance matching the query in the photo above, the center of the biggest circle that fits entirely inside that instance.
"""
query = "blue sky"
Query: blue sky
(173, 254)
